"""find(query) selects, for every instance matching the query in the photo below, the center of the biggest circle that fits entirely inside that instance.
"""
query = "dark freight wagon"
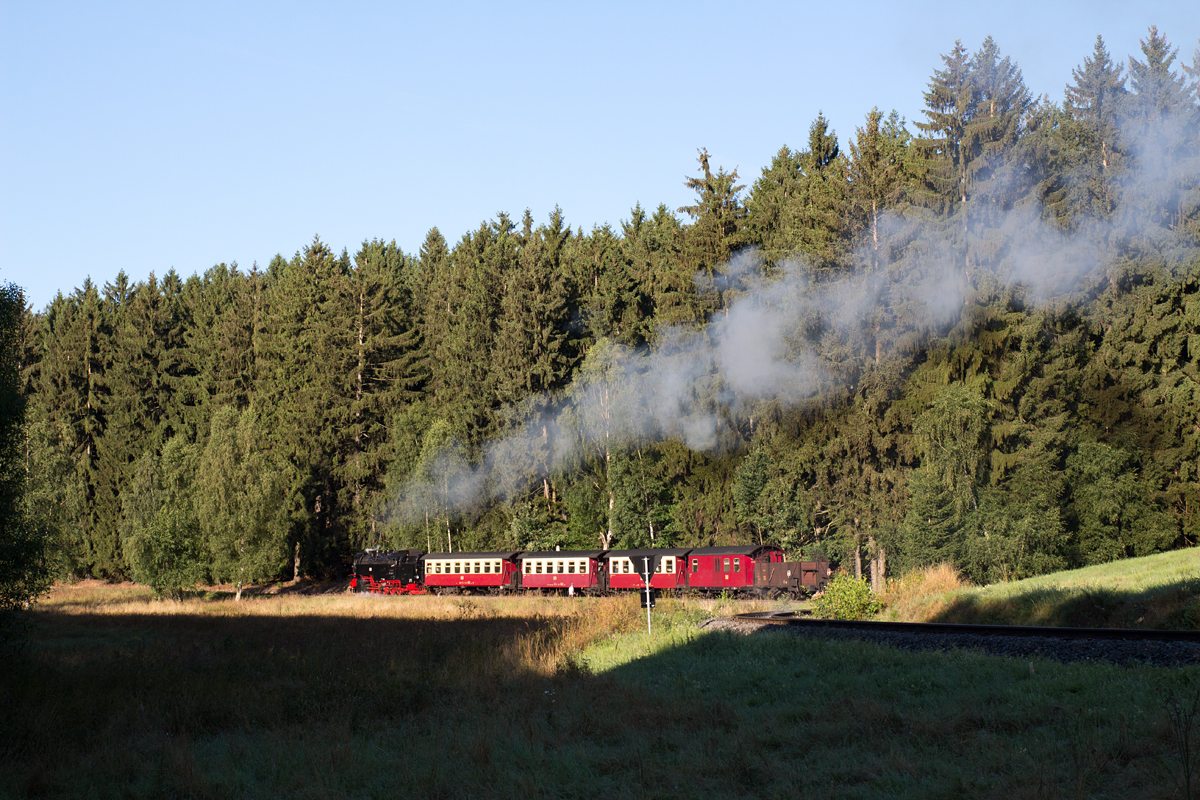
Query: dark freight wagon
(570, 571)
(794, 578)
(756, 569)
(470, 572)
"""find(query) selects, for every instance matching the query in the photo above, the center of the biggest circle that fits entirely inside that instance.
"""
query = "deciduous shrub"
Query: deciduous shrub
(847, 598)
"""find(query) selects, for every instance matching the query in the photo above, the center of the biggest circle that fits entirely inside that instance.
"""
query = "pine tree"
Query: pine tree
(995, 169)
(823, 199)
(879, 172)
(950, 104)
(389, 371)
(717, 219)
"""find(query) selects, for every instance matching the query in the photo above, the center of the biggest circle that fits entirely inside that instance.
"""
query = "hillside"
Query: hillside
(1161, 591)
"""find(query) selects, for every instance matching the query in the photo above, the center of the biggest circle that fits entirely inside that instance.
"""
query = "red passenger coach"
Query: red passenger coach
(717, 568)
(625, 569)
(580, 570)
(473, 572)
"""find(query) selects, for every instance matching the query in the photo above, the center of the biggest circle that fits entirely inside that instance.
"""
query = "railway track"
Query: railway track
(1117, 645)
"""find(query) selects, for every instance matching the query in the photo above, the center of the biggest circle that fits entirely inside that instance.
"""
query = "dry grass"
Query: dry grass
(922, 594)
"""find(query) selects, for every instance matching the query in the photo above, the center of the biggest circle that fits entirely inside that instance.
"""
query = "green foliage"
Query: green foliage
(846, 597)
(161, 539)
(241, 492)
(55, 499)
(23, 574)
(1114, 506)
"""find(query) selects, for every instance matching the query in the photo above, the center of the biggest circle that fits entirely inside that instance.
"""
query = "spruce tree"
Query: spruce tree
(995, 168)
(1094, 100)
(823, 199)
(308, 364)
(879, 172)
(950, 103)
(389, 371)
(715, 232)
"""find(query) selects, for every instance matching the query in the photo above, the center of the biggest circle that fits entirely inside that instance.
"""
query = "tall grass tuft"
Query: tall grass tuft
(921, 594)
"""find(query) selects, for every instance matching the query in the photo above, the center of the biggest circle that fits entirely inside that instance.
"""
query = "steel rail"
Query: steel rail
(789, 618)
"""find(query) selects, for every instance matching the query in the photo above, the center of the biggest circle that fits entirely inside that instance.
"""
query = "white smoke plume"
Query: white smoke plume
(767, 342)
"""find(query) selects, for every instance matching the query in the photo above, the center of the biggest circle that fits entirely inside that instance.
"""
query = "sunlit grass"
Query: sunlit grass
(1161, 591)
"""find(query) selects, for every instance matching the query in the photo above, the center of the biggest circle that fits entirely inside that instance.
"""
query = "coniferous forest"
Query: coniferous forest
(968, 338)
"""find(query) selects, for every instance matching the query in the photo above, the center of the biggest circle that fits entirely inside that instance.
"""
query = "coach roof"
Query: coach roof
(563, 554)
(507, 556)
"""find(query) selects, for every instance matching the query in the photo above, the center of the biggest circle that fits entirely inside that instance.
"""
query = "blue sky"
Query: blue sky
(149, 136)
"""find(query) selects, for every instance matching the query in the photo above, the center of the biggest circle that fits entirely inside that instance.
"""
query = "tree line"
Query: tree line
(994, 322)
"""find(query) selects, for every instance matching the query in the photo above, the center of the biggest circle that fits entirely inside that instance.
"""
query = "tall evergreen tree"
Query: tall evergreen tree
(995, 169)
(715, 232)
(823, 198)
(529, 355)
(950, 103)
(23, 573)
(879, 172)
(308, 367)
(389, 370)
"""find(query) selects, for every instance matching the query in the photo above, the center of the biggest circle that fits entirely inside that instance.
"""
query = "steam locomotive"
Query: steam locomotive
(754, 570)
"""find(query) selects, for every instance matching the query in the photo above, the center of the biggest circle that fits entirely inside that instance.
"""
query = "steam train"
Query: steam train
(754, 570)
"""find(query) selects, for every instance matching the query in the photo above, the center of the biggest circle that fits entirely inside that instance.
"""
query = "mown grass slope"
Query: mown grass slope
(1159, 592)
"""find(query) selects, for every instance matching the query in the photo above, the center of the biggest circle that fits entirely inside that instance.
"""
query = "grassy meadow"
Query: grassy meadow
(1156, 592)
(117, 695)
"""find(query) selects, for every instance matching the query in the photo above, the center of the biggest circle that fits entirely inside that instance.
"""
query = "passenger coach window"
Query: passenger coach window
(561, 566)
(528, 567)
(737, 565)
(695, 565)
(477, 566)
(670, 566)
(727, 565)
(571, 567)
(487, 566)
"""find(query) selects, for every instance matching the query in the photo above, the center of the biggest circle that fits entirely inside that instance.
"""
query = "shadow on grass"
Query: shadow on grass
(786, 715)
(198, 705)
(1171, 606)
